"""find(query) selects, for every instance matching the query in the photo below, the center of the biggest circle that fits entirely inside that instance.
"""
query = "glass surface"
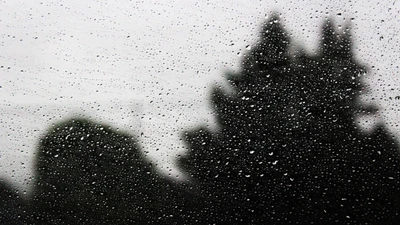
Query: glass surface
(199, 112)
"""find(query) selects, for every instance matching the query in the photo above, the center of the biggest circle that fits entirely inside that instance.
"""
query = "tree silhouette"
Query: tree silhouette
(237, 167)
(12, 206)
(88, 173)
(288, 149)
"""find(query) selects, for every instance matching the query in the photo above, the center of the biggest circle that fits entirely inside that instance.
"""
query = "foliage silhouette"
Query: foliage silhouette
(88, 173)
(288, 149)
(12, 206)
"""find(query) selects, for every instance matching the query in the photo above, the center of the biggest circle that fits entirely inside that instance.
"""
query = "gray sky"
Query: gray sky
(147, 66)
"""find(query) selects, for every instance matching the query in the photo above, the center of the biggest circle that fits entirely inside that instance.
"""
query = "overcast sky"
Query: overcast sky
(147, 66)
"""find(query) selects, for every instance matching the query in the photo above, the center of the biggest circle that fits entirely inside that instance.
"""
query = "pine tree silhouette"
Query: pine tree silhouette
(288, 150)
(237, 167)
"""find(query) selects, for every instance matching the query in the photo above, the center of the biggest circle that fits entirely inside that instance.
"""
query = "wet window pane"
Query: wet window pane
(199, 112)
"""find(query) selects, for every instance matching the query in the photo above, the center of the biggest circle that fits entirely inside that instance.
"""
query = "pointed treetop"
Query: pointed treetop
(335, 43)
(271, 49)
(274, 38)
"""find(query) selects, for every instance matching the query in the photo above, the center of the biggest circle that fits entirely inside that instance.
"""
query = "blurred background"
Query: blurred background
(146, 67)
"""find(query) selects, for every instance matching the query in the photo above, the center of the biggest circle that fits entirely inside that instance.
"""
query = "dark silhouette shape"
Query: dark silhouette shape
(288, 150)
(12, 206)
(88, 173)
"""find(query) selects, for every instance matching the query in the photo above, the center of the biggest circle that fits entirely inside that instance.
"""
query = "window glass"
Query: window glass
(208, 112)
